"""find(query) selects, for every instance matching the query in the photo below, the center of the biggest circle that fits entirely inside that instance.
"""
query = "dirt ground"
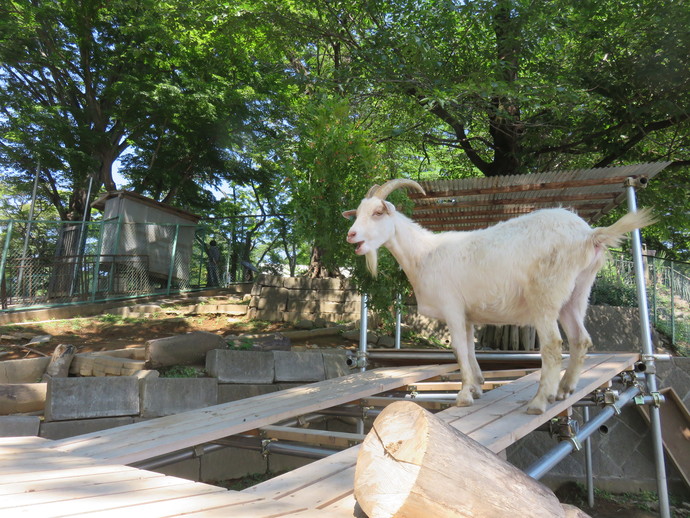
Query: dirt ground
(108, 332)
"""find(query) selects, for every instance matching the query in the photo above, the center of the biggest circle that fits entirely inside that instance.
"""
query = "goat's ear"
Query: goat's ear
(349, 214)
(388, 207)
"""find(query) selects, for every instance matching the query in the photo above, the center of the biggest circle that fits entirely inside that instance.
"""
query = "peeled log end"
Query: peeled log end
(412, 464)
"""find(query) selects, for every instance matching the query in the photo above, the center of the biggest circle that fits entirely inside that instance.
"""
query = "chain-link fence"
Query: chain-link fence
(668, 293)
(48, 263)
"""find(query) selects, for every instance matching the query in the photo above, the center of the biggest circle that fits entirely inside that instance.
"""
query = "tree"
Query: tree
(83, 82)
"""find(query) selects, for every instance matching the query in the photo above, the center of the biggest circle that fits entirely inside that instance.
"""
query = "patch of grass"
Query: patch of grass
(246, 344)
(9, 328)
(179, 371)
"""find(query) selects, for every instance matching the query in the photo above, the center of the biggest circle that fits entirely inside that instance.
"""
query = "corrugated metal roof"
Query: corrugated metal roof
(473, 203)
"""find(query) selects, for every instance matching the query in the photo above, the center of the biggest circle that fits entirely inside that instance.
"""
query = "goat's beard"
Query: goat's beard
(372, 262)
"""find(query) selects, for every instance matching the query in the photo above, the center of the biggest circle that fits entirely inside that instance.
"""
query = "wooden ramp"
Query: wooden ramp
(85, 476)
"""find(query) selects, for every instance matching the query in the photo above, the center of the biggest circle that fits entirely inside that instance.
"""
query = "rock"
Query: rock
(386, 341)
(304, 324)
(40, 339)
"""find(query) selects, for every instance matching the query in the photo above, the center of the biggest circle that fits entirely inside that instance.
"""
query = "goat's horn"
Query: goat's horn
(371, 191)
(391, 185)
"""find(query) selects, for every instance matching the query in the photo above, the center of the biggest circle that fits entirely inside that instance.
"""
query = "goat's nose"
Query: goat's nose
(351, 233)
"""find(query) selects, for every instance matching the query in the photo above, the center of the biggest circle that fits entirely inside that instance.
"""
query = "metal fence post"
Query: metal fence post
(5, 251)
(673, 307)
(173, 252)
(97, 265)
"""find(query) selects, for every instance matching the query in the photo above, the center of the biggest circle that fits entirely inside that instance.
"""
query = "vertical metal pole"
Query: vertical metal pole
(5, 249)
(173, 252)
(654, 290)
(673, 309)
(97, 265)
(362, 353)
(588, 462)
(398, 320)
(648, 356)
(80, 242)
(363, 324)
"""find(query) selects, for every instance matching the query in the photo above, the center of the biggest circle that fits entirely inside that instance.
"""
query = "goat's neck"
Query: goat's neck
(408, 245)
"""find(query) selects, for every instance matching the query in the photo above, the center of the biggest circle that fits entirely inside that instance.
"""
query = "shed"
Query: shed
(146, 228)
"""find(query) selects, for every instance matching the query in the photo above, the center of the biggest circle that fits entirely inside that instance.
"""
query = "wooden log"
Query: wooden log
(60, 362)
(17, 398)
(412, 464)
(514, 338)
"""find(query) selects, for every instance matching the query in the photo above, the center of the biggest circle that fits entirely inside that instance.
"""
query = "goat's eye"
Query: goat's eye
(378, 213)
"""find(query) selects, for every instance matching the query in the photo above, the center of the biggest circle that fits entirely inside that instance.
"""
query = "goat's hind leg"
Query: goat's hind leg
(572, 319)
(550, 340)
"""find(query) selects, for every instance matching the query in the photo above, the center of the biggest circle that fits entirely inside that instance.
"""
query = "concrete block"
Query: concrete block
(80, 398)
(186, 349)
(335, 363)
(299, 366)
(298, 283)
(167, 396)
(23, 371)
(62, 429)
(231, 463)
(241, 366)
(234, 392)
(19, 425)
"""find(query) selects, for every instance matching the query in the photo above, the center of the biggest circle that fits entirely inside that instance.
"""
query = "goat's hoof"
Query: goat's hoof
(535, 410)
(551, 399)
(464, 400)
(477, 393)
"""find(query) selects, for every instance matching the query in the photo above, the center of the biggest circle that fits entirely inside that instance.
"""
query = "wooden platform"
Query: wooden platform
(85, 475)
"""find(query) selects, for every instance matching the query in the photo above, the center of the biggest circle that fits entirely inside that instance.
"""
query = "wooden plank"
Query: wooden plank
(289, 483)
(321, 437)
(108, 496)
(199, 505)
(675, 430)
(516, 423)
(497, 409)
(147, 439)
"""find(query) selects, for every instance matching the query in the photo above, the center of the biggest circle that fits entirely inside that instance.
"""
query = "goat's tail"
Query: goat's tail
(613, 235)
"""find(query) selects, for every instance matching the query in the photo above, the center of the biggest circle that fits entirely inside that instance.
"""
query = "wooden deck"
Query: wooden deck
(85, 475)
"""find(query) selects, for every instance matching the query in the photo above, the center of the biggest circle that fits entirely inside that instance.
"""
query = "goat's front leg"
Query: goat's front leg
(551, 344)
(471, 389)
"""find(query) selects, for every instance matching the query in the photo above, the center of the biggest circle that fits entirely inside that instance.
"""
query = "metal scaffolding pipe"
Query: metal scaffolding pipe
(647, 352)
(564, 448)
(588, 463)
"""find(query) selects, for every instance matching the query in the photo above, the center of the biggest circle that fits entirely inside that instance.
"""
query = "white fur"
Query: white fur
(536, 270)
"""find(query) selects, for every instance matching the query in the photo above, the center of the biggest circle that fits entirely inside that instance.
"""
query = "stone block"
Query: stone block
(185, 349)
(62, 429)
(23, 371)
(89, 364)
(298, 283)
(167, 396)
(80, 398)
(19, 425)
(335, 363)
(299, 366)
(234, 392)
(241, 366)
(386, 341)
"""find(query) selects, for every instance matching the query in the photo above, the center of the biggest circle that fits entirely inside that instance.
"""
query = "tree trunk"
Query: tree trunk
(412, 464)
(317, 270)
(60, 362)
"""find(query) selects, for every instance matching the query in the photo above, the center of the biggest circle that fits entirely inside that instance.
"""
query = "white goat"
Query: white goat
(536, 270)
